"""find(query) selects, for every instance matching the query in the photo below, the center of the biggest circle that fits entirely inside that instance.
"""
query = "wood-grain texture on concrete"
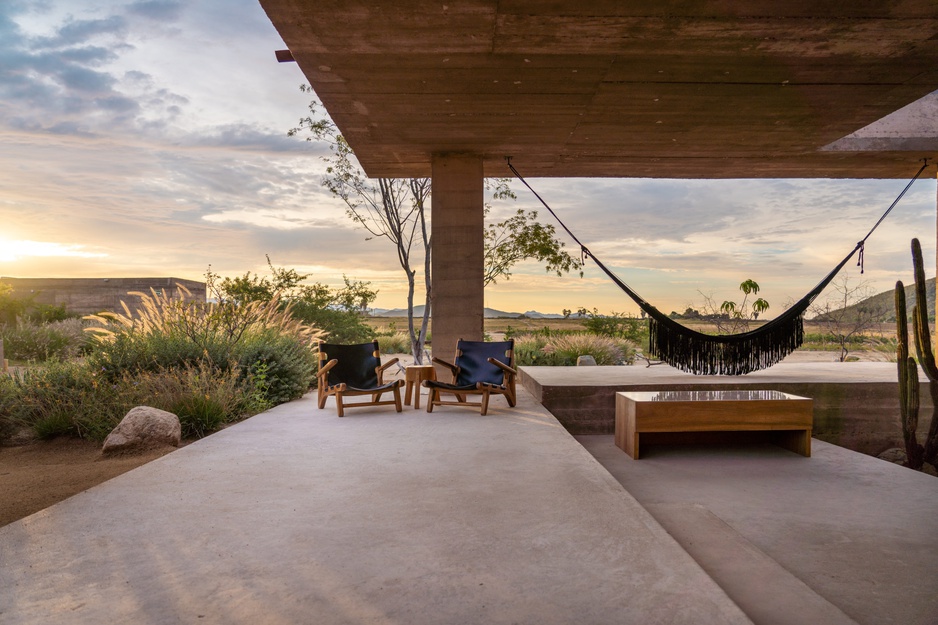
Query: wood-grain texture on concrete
(659, 89)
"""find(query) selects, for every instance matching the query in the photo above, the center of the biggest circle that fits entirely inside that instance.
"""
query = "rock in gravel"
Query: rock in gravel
(143, 428)
(895, 455)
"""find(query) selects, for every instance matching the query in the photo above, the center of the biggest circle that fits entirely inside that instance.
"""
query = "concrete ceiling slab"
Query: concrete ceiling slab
(674, 89)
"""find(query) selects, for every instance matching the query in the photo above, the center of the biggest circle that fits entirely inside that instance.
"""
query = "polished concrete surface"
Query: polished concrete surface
(815, 538)
(297, 516)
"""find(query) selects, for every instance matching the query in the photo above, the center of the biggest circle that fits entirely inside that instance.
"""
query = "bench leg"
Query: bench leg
(798, 441)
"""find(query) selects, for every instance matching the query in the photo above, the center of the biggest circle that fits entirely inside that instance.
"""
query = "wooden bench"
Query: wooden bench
(660, 415)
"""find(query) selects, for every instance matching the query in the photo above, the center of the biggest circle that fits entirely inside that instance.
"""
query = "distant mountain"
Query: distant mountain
(533, 314)
(490, 313)
(886, 302)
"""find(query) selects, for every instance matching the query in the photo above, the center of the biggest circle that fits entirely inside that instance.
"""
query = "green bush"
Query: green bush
(287, 364)
(528, 350)
(69, 398)
(72, 399)
(617, 325)
(203, 397)
(48, 313)
(167, 334)
(30, 341)
(394, 343)
(564, 349)
(209, 364)
(340, 326)
(8, 402)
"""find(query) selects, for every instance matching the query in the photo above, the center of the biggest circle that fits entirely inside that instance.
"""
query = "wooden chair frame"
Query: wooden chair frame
(343, 389)
(485, 389)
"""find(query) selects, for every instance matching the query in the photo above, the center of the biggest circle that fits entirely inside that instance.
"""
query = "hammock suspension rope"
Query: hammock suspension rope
(733, 354)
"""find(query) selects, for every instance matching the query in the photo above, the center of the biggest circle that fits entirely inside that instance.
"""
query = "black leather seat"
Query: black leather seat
(480, 368)
(355, 370)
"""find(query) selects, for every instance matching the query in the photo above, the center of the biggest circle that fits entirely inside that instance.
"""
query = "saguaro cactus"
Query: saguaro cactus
(908, 371)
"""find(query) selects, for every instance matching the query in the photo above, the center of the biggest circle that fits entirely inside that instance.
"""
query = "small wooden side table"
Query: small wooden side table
(414, 375)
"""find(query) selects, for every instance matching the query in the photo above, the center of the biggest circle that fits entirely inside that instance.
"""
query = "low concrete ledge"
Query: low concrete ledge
(856, 405)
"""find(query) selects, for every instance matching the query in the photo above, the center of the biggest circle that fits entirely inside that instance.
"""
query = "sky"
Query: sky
(149, 138)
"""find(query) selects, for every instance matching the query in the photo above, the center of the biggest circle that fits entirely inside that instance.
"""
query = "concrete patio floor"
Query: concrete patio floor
(297, 516)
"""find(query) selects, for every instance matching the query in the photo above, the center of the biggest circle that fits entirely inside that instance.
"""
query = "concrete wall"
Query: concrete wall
(85, 296)
(862, 416)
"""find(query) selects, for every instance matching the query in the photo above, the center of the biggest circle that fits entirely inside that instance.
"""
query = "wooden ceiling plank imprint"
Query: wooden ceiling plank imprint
(561, 83)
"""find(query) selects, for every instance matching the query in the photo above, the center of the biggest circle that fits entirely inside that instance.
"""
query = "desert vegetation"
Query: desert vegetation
(253, 346)
(210, 364)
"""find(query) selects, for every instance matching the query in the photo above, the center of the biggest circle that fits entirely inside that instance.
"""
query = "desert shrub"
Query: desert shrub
(528, 350)
(72, 399)
(545, 332)
(617, 325)
(394, 343)
(8, 401)
(168, 333)
(204, 397)
(339, 325)
(28, 340)
(288, 365)
(48, 313)
(210, 365)
(69, 398)
(564, 349)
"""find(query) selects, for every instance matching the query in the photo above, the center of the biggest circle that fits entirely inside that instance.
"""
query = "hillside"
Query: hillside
(885, 302)
(489, 313)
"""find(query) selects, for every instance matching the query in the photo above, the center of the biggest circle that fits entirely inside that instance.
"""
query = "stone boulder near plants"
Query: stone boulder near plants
(143, 428)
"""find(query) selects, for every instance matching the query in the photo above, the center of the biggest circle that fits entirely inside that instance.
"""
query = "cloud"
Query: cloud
(75, 32)
(253, 137)
(60, 73)
(158, 10)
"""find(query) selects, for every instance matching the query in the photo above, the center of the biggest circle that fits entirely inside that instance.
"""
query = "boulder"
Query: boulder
(585, 361)
(144, 428)
(895, 455)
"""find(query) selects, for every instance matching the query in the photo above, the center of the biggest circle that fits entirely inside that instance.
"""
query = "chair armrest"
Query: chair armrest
(325, 368)
(450, 366)
(503, 366)
(381, 369)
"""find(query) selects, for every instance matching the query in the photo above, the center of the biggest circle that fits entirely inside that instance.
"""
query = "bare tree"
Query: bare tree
(846, 314)
(396, 209)
(393, 208)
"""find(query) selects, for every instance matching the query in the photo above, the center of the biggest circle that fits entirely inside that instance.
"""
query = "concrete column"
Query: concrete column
(457, 298)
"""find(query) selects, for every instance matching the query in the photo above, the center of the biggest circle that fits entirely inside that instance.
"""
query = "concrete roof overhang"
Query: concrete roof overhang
(652, 88)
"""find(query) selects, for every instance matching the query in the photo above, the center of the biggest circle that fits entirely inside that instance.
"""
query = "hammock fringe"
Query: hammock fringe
(724, 355)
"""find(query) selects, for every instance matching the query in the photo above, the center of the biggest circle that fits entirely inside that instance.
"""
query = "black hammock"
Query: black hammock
(732, 354)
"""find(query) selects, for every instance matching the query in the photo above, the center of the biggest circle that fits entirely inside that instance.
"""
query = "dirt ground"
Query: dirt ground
(37, 475)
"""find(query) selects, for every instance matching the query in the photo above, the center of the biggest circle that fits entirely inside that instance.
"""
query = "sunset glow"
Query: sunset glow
(11, 251)
(123, 158)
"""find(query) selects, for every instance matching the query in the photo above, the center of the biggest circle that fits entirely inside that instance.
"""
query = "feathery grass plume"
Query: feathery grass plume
(394, 343)
(166, 332)
(31, 341)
